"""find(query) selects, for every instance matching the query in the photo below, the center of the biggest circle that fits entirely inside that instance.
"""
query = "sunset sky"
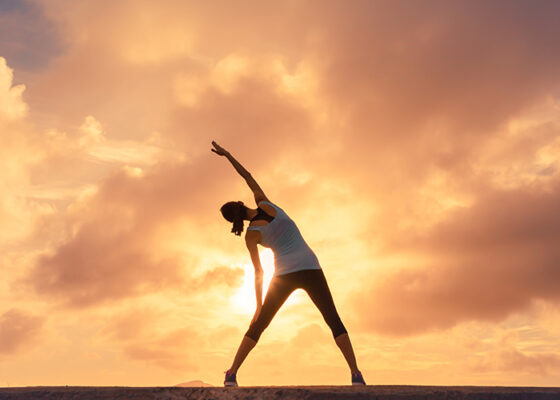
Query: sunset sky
(415, 144)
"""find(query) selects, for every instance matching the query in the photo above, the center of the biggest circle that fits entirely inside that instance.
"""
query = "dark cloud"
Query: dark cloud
(18, 330)
(28, 39)
(109, 253)
(97, 266)
(424, 85)
(256, 120)
(143, 334)
(171, 350)
(485, 263)
(402, 66)
(513, 360)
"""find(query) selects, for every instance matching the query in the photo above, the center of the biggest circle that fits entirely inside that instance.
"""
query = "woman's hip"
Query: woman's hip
(301, 277)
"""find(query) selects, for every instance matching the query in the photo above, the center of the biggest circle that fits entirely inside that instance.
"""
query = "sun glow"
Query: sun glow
(245, 300)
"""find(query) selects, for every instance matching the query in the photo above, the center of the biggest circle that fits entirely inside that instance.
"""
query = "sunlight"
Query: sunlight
(244, 300)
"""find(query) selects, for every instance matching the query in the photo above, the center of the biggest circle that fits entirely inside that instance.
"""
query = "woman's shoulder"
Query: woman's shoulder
(268, 207)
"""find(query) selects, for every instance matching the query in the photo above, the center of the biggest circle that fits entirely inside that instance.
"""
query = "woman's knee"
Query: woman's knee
(253, 335)
(258, 326)
(255, 330)
(337, 327)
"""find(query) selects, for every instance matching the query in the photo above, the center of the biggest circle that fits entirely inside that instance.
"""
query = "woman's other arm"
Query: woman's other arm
(253, 185)
(251, 242)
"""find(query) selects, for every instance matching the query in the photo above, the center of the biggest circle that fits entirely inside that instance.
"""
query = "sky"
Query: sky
(415, 144)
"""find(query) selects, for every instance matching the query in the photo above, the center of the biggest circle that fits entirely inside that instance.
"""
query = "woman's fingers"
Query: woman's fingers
(219, 149)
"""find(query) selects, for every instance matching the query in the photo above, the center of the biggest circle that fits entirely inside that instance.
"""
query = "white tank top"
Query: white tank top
(291, 252)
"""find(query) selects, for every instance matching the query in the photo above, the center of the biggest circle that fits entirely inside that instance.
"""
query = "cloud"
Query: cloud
(117, 248)
(27, 37)
(153, 336)
(252, 114)
(414, 88)
(416, 153)
(98, 265)
(18, 330)
(416, 102)
(425, 62)
(12, 105)
(18, 152)
(483, 262)
(538, 364)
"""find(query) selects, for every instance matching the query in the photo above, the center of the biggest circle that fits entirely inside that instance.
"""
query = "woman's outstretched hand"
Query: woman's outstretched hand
(219, 150)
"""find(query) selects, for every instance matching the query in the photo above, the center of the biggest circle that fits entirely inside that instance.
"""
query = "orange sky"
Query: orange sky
(415, 144)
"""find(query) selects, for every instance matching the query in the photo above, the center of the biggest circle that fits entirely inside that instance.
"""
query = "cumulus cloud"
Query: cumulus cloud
(418, 90)
(418, 153)
(483, 262)
(18, 152)
(115, 249)
(416, 101)
(12, 105)
(427, 63)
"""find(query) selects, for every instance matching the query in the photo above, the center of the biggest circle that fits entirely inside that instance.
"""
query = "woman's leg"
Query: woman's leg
(245, 347)
(318, 289)
(345, 346)
(278, 291)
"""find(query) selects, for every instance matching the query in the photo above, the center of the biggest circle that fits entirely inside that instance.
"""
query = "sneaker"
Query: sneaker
(358, 379)
(231, 379)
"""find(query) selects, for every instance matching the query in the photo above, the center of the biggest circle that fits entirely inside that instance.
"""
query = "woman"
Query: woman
(296, 266)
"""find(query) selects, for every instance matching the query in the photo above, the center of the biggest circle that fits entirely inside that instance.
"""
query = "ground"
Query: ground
(284, 392)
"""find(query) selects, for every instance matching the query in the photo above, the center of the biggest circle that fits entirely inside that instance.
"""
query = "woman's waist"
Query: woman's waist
(294, 254)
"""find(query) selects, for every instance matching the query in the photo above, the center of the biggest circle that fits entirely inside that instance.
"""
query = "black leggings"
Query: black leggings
(314, 283)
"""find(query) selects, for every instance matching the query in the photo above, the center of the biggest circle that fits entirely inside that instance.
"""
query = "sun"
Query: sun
(244, 299)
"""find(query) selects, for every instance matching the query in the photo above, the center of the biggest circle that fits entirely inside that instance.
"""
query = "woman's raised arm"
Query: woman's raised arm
(253, 185)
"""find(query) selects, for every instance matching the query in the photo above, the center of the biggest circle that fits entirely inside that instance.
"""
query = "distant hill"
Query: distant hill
(196, 383)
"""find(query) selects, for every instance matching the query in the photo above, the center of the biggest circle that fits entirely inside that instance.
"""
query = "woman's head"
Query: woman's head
(236, 212)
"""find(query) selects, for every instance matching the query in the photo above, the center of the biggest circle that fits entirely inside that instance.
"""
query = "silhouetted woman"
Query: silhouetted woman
(295, 266)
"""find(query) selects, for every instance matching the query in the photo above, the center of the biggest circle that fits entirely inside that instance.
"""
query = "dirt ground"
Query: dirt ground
(283, 392)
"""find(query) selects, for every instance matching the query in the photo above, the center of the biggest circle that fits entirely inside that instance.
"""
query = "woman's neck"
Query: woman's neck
(251, 213)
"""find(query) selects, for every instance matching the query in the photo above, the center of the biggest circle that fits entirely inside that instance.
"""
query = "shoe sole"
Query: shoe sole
(358, 384)
(230, 384)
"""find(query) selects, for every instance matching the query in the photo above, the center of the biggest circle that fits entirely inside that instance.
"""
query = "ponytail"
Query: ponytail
(238, 217)
(235, 211)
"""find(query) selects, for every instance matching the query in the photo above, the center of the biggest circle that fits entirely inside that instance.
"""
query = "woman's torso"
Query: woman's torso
(291, 252)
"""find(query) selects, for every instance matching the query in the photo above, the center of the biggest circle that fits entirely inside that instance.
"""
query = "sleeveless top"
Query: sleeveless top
(291, 252)
(261, 214)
